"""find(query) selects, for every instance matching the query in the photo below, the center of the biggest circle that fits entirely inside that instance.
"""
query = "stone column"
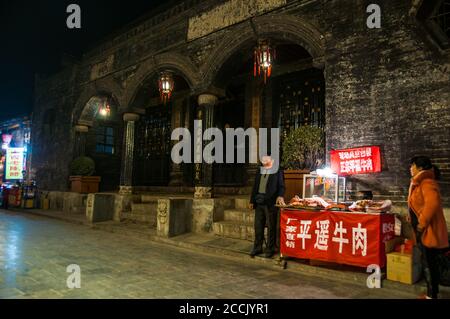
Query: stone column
(126, 176)
(176, 174)
(203, 171)
(80, 140)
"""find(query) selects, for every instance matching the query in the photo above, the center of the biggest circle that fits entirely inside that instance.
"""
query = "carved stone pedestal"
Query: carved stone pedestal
(203, 192)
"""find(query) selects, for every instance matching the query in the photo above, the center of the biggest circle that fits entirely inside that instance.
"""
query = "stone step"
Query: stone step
(243, 216)
(241, 203)
(233, 191)
(142, 212)
(230, 229)
(141, 218)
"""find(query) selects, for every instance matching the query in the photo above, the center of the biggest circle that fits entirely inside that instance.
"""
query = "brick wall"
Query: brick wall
(52, 150)
(387, 87)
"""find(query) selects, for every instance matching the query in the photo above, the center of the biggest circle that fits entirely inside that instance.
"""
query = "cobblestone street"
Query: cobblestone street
(35, 252)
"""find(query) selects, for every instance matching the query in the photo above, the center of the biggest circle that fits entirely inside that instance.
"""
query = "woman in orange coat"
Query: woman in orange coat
(427, 218)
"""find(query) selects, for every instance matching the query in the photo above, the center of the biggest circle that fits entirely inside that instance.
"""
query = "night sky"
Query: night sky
(34, 36)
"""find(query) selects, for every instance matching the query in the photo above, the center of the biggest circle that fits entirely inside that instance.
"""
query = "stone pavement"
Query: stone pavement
(35, 252)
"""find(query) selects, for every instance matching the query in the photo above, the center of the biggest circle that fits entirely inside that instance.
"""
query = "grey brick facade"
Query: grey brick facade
(387, 86)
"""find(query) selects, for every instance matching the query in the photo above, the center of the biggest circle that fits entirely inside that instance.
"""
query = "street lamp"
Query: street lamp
(105, 109)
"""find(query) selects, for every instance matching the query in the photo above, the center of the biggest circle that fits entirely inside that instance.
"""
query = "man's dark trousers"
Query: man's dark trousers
(263, 214)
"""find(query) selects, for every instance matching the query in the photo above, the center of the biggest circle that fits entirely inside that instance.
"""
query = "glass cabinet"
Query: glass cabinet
(328, 187)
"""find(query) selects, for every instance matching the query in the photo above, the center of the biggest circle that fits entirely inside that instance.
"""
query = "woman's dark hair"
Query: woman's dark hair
(424, 162)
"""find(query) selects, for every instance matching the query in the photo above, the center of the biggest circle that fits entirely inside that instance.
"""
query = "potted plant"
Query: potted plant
(82, 180)
(303, 151)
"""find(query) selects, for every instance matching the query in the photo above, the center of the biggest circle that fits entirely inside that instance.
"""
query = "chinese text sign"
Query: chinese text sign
(362, 160)
(14, 163)
(347, 238)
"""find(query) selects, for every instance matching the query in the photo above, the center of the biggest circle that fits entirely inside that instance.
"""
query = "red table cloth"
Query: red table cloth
(349, 238)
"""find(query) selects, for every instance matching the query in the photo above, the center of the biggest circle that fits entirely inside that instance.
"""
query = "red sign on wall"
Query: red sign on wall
(347, 238)
(352, 161)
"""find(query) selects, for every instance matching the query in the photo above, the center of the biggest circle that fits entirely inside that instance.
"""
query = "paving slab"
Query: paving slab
(130, 261)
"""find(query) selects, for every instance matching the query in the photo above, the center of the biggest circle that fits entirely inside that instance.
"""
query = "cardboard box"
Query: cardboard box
(406, 248)
(405, 268)
(389, 246)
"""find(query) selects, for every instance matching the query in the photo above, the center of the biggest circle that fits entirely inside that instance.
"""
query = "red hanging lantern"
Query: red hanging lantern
(166, 86)
(264, 57)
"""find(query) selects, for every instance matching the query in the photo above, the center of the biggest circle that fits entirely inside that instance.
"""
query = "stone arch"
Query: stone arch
(288, 27)
(174, 61)
(85, 141)
(83, 111)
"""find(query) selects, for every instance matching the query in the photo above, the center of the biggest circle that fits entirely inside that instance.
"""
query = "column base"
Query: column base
(126, 190)
(203, 192)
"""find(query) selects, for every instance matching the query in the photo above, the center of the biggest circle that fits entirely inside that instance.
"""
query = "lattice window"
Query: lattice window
(152, 147)
(105, 140)
(153, 134)
(301, 102)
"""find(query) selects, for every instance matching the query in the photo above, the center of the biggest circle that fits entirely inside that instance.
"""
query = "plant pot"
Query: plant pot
(85, 184)
(293, 180)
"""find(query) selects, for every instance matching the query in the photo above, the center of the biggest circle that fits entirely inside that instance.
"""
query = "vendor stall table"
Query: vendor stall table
(349, 238)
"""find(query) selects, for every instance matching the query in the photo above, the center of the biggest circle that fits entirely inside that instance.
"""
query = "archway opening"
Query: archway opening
(103, 141)
(294, 95)
(152, 163)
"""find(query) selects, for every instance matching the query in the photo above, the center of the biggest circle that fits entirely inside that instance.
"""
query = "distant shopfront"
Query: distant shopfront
(15, 152)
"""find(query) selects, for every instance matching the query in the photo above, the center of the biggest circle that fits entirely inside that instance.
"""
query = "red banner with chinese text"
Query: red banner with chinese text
(352, 161)
(355, 239)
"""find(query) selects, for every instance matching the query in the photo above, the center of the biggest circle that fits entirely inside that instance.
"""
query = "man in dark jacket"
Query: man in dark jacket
(268, 191)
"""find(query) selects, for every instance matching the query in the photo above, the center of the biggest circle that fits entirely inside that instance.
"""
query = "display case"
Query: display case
(330, 186)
